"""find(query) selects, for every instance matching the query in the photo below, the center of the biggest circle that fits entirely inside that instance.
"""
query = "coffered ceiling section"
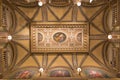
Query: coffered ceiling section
(59, 39)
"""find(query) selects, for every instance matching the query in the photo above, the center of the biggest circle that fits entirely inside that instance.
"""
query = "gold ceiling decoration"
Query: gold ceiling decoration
(32, 32)
(58, 37)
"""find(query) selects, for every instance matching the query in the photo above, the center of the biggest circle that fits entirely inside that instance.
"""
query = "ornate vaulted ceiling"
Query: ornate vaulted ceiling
(60, 39)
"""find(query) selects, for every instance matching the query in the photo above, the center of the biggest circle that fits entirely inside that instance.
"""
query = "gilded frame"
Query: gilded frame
(65, 28)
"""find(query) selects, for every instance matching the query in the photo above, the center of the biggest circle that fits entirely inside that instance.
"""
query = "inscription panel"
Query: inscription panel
(59, 38)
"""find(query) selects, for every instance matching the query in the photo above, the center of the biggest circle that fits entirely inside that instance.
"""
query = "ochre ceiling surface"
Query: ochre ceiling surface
(59, 39)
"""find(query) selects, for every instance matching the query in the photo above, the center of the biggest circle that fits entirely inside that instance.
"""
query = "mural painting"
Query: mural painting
(94, 72)
(59, 37)
(25, 73)
(59, 72)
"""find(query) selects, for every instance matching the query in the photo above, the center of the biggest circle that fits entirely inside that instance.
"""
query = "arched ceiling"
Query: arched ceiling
(101, 59)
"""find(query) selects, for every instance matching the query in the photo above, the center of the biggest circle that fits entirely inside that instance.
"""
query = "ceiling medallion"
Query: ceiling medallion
(59, 37)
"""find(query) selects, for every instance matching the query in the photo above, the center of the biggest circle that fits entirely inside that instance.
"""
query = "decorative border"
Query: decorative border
(1, 61)
(60, 3)
(0, 13)
(35, 48)
(25, 4)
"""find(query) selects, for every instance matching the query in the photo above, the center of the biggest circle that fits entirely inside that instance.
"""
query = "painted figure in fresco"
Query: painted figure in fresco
(60, 73)
(79, 37)
(95, 74)
(59, 37)
(24, 75)
(40, 37)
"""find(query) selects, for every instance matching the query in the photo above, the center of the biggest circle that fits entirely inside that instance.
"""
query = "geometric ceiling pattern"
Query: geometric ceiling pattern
(101, 60)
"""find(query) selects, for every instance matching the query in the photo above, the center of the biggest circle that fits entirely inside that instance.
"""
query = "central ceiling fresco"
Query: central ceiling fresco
(58, 37)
